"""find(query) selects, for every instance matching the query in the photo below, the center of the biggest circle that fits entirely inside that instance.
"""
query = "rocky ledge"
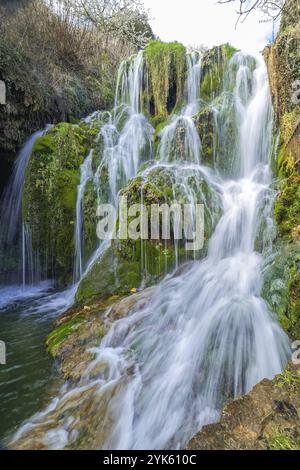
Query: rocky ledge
(265, 419)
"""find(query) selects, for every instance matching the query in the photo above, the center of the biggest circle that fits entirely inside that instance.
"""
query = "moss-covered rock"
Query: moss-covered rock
(281, 287)
(50, 193)
(127, 262)
(282, 276)
(112, 274)
(287, 208)
(217, 128)
(89, 210)
(205, 122)
(283, 61)
(167, 70)
(290, 14)
(213, 66)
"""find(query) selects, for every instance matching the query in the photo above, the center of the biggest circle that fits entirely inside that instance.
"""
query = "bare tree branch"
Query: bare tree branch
(270, 9)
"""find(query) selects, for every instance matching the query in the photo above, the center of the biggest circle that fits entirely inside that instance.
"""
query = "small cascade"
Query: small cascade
(128, 136)
(193, 83)
(180, 139)
(223, 338)
(86, 174)
(204, 335)
(18, 264)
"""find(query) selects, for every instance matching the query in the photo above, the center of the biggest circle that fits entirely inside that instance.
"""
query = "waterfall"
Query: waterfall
(180, 139)
(205, 335)
(86, 174)
(127, 139)
(17, 261)
(127, 145)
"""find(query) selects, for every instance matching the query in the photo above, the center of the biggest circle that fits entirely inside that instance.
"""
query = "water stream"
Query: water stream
(205, 334)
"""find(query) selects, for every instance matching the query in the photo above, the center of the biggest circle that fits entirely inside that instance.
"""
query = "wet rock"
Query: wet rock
(267, 418)
(79, 416)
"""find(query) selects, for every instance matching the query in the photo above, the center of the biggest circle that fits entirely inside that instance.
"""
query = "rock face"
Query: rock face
(282, 278)
(49, 198)
(268, 418)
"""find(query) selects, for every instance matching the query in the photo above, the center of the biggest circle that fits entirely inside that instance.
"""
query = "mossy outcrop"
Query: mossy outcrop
(166, 64)
(282, 276)
(127, 262)
(281, 286)
(113, 273)
(217, 129)
(213, 67)
(283, 61)
(50, 193)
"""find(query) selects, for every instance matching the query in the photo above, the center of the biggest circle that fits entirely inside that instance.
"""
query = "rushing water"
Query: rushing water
(17, 261)
(126, 149)
(182, 127)
(205, 334)
(85, 175)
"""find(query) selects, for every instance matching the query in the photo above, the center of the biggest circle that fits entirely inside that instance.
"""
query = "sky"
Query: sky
(205, 22)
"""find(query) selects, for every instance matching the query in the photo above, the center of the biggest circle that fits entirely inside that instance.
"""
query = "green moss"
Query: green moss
(289, 380)
(89, 220)
(50, 193)
(110, 275)
(280, 440)
(129, 262)
(229, 50)
(167, 68)
(281, 286)
(287, 208)
(282, 280)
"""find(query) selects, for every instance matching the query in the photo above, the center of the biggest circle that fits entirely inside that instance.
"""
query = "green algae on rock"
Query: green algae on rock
(49, 197)
(281, 287)
(166, 63)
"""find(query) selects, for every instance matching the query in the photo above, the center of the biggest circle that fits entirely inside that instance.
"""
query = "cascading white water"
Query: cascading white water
(17, 265)
(205, 334)
(127, 138)
(181, 133)
(193, 83)
(86, 174)
(126, 148)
